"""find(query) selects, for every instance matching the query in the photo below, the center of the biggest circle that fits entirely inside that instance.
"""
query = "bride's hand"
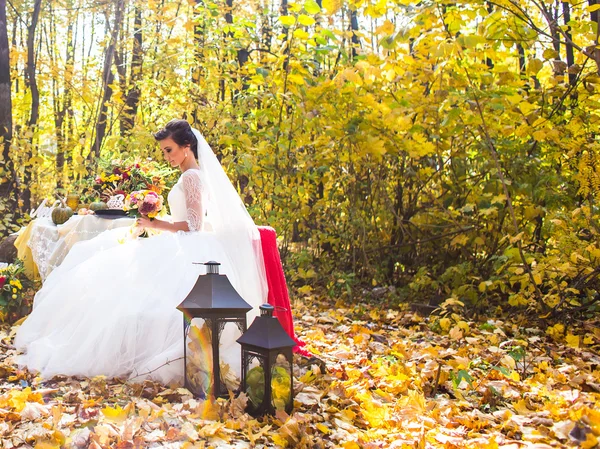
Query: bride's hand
(143, 222)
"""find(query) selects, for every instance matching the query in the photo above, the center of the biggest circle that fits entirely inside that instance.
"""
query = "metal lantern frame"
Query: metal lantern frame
(214, 300)
(264, 341)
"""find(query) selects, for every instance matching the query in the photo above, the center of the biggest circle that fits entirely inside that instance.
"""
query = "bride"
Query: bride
(110, 307)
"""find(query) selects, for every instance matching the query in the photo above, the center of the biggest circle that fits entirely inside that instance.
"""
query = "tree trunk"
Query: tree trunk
(594, 17)
(8, 187)
(59, 121)
(283, 10)
(522, 64)
(107, 79)
(554, 31)
(35, 102)
(133, 94)
(242, 54)
(198, 71)
(266, 30)
(568, 46)
(490, 9)
(354, 29)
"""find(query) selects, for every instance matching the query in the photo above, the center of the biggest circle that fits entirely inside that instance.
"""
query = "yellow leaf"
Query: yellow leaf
(572, 340)
(508, 362)
(534, 66)
(550, 54)
(464, 326)
(521, 407)
(456, 333)
(445, 324)
(46, 445)
(116, 414)
(305, 290)
(499, 199)
(459, 240)
(18, 399)
(306, 20)
(296, 79)
(556, 331)
(540, 134)
(301, 34)
(279, 440)
(386, 28)
(210, 430)
(589, 339)
(350, 445)
(308, 377)
(590, 439)
(323, 428)
(287, 21)
(332, 6)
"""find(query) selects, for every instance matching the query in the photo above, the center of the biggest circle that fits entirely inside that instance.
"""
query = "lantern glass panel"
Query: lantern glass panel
(281, 383)
(255, 381)
(198, 362)
(230, 355)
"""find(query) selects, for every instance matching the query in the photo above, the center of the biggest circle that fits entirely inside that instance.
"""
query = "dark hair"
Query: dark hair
(181, 133)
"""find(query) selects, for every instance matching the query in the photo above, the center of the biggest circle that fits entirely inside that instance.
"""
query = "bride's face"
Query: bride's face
(173, 153)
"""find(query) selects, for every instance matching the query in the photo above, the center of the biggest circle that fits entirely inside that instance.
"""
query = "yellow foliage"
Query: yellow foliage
(557, 331)
(16, 400)
(116, 414)
(572, 340)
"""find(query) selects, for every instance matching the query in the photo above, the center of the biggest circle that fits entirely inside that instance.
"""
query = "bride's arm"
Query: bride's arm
(162, 225)
(192, 187)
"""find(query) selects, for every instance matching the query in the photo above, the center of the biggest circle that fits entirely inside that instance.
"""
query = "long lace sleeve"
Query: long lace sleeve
(193, 188)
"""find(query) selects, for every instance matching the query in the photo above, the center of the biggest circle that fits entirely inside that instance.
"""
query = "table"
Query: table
(43, 245)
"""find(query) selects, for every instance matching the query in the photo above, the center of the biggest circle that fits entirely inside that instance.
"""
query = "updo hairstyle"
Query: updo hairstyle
(181, 133)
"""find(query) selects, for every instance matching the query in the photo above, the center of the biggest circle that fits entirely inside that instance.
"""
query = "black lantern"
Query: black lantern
(267, 376)
(214, 301)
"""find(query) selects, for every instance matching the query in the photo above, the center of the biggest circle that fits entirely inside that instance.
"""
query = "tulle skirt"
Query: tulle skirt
(110, 308)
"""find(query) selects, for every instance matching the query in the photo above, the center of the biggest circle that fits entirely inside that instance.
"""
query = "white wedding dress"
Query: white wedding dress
(110, 307)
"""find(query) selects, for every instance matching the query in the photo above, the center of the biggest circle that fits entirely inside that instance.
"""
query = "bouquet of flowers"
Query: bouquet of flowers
(144, 202)
(119, 177)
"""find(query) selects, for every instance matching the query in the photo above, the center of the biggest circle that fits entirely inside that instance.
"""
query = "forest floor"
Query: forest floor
(393, 380)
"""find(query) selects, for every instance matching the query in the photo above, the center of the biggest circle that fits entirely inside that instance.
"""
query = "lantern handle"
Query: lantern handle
(268, 309)
(212, 267)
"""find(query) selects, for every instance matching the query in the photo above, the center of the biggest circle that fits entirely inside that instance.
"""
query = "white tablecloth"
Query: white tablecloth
(50, 243)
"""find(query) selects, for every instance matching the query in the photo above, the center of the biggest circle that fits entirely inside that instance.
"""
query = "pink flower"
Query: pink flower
(2, 281)
(146, 208)
(151, 199)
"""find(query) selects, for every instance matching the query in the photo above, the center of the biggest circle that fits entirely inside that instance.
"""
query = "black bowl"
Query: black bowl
(111, 213)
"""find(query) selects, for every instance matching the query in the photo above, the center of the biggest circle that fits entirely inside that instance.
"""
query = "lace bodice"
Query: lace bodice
(186, 200)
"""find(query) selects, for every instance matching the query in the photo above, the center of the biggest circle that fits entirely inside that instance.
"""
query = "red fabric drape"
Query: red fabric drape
(278, 291)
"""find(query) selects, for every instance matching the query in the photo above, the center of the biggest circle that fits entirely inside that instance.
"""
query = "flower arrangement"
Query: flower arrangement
(119, 177)
(15, 300)
(144, 202)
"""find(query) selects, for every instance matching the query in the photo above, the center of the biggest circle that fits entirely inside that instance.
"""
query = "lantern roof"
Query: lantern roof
(213, 294)
(266, 332)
